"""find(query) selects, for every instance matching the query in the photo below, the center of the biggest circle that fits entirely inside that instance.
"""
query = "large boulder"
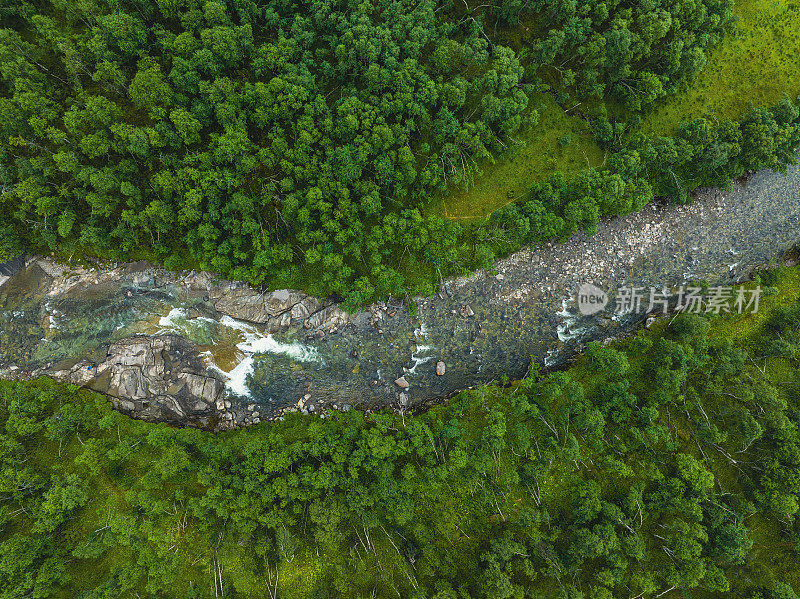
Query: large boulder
(245, 303)
(330, 318)
(154, 378)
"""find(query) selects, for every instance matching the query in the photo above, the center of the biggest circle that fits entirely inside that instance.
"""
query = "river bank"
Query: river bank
(187, 348)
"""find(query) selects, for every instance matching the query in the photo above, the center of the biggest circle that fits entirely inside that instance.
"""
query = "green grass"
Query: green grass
(756, 65)
(539, 155)
(738, 327)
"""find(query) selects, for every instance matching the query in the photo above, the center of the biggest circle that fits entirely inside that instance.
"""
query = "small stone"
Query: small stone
(402, 382)
(307, 396)
(500, 277)
(251, 407)
(440, 368)
(468, 310)
(228, 404)
(256, 420)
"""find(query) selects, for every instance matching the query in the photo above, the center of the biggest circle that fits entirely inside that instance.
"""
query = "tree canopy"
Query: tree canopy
(297, 144)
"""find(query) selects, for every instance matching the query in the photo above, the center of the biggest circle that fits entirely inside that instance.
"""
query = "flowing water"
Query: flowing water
(307, 355)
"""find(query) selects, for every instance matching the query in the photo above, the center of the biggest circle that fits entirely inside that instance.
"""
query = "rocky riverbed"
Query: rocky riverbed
(187, 348)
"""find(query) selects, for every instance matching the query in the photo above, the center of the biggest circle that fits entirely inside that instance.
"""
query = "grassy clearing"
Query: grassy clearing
(756, 64)
(541, 155)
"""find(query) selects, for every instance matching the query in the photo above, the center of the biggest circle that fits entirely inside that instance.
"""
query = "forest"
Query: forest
(303, 145)
(662, 465)
(300, 144)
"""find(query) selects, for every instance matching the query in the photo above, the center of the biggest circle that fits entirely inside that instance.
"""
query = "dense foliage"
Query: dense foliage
(296, 143)
(668, 464)
(631, 52)
(259, 138)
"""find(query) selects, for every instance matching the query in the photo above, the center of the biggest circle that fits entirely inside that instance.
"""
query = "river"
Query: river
(187, 348)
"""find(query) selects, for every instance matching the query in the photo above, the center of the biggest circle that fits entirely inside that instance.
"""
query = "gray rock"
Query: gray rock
(282, 301)
(156, 378)
(305, 308)
(243, 303)
(246, 303)
(440, 368)
(402, 382)
(280, 295)
(329, 318)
